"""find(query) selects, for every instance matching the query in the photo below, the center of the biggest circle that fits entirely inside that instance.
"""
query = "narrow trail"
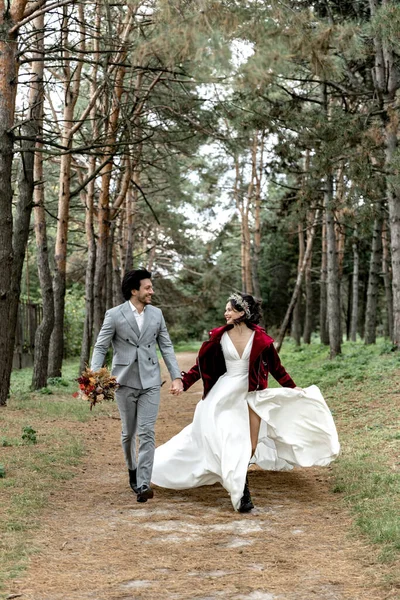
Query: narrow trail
(97, 542)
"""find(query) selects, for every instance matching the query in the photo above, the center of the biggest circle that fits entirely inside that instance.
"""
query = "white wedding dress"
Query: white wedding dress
(297, 428)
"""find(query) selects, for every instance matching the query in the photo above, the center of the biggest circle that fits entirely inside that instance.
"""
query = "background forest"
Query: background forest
(223, 145)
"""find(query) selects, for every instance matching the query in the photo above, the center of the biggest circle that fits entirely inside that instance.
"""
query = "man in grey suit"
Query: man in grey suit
(134, 328)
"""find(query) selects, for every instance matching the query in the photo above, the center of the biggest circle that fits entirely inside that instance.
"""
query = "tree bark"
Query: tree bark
(104, 209)
(117, 293)
(296, 290)
(258, 174)
(373, 280)
(8, 302)
(333, 283)
(355, 285)
(71, 93)
(88, 198)
(242, 205)
(308, 320)
(394, 219)
(387, 83)
(295, 330)
(323, 301)
(386, 274)
(132, 199)
(43, 332)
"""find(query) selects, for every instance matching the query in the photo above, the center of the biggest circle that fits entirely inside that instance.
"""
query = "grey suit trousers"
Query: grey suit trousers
(138, 409)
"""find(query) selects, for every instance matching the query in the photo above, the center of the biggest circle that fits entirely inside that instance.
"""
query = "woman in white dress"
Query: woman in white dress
(239, 420)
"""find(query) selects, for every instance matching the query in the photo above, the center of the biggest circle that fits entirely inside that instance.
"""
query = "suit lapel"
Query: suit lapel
(130, 317)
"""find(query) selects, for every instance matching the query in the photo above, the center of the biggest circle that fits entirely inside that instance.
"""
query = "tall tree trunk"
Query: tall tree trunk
(110, 269)
(103, 229)
(295, 330)
(258, 174)
(88, 198)
(323, 299)
(374, 280)
(333, 284)
(104, 209)
(43, 332)
(248, 282)
(355, 285)
(387, 83)
(8, 79)
(387, 280)
(71, 93)
(129, 225)
(310, 239)
(243, 205)
(394, 219)
(117, 294)
(308, 320)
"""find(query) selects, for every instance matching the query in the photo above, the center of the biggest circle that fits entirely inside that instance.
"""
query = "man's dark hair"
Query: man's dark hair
(131, 281)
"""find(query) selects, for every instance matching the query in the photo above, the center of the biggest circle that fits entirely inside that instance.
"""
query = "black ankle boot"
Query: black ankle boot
(246, 503)
(132, 480)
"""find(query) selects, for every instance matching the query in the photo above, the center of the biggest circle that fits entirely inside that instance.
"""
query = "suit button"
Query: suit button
(148, 346)
(135, 359)
(137, 346)
(127, 340)
(149, 358)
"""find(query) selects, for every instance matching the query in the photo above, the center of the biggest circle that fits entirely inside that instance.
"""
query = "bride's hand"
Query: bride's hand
(176, 387)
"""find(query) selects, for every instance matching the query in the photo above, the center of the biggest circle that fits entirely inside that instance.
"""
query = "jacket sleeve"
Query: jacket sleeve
(103, 342)
(189, 378)
(276, 368)
(167, 351)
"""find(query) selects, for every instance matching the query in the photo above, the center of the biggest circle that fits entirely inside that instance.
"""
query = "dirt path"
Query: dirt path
(98, 543)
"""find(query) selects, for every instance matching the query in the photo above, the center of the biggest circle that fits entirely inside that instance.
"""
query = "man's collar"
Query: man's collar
(133, 307)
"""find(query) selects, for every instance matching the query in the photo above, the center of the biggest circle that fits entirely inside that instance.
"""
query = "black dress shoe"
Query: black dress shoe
(144, 493)
(132, 480)
(246, 503)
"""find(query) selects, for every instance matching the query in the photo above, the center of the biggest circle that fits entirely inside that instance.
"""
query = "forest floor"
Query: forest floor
(95, 542)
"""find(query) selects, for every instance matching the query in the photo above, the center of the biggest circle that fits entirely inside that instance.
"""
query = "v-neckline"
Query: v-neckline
(245, 348)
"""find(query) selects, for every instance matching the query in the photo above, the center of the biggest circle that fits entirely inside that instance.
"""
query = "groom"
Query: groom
(134, 328)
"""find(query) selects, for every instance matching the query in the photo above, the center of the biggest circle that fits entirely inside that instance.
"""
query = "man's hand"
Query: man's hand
(176, 387)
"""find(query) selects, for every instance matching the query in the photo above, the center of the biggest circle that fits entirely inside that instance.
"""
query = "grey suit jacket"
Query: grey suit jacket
(135, 361)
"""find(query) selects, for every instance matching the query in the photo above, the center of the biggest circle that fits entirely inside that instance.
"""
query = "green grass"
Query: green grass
(362, 389)
(40, 451)
(190, 346)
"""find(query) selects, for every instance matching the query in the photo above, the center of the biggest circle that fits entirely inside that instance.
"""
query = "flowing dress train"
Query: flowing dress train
(297, 428)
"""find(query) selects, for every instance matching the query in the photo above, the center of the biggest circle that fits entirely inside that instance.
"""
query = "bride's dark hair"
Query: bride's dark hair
(253, 305)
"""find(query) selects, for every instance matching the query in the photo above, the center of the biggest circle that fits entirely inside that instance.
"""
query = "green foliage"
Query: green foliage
(74, 319)
(360, 388)
(37, 470)
(45, 391)
(29, 435)
(386, 24)
(57, 382)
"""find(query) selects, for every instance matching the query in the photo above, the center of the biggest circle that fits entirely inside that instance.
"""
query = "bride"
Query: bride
(239, 420)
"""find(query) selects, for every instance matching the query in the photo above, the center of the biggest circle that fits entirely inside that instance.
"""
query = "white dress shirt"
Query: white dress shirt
(139, 316)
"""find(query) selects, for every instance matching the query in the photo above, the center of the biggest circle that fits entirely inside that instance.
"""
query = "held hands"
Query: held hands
(176, 387)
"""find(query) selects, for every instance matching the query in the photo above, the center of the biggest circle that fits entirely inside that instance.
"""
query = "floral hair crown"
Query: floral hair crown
(241, 303)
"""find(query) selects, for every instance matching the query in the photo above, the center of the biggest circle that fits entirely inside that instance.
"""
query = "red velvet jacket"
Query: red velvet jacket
(264, 359)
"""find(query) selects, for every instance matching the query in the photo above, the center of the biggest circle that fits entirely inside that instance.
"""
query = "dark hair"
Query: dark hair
(254, 308)
(131, 281)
